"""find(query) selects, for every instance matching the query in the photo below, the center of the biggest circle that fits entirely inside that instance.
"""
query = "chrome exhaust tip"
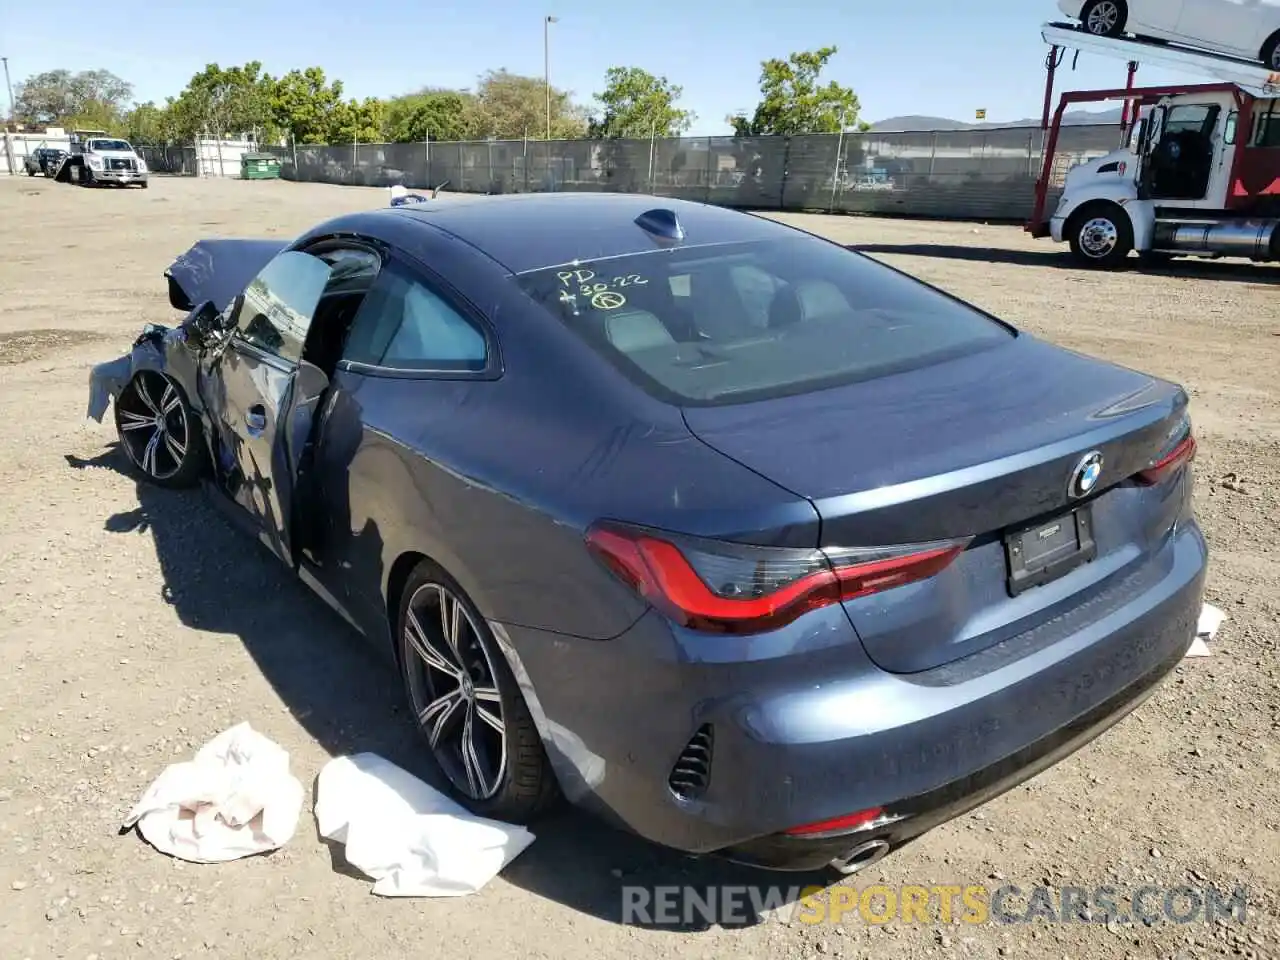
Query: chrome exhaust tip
(861, 857)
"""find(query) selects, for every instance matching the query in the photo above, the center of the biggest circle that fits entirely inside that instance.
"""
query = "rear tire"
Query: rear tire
(466, 703)
(1270, 55)
(1105, 18)
(1101, 235)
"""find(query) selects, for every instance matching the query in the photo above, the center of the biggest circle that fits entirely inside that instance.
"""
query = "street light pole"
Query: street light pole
(12, 105)
(546, 64)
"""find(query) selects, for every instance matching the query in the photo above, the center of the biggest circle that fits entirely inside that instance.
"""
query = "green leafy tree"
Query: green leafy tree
(792, 101)
(148, 123)
(224, 102)
(637, 104)
(356, 121)
(90, 98)
(509, 106)
(429, 114)
(302, 102)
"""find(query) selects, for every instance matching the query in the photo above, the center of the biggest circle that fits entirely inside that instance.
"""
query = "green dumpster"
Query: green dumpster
(259, 166)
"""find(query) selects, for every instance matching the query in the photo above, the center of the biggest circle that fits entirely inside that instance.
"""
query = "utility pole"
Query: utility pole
(13, 106)
(546, 64)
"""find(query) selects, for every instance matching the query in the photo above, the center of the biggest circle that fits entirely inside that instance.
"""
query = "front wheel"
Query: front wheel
(467, 704)
(159, 431)
(1100, 235)
(1105, 18)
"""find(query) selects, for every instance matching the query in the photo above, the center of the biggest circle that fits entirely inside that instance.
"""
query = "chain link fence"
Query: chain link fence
(175, 160)
(965, 174)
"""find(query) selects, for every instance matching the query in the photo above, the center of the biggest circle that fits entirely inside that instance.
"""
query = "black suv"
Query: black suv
(43, 160)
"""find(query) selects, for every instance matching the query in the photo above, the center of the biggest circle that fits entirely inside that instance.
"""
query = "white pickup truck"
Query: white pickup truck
(97, 158)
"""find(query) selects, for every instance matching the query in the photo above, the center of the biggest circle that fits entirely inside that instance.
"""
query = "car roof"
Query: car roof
(532, 231)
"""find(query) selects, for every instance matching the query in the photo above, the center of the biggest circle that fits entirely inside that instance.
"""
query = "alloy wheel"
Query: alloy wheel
(153, 424)
(1103, 19)
(454, 692)
(1098, 238)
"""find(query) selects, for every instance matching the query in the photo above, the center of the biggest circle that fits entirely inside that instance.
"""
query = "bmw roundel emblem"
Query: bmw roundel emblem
(1086, 474)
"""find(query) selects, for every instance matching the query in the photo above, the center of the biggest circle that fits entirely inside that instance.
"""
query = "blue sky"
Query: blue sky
(935, 57)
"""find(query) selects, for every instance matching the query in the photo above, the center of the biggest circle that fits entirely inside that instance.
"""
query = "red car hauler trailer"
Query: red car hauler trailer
(1198, 175)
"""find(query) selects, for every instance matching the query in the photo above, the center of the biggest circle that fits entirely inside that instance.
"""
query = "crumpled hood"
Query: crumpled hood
(218, 270)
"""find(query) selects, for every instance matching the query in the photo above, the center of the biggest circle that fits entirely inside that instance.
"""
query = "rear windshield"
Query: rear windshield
(747, 321)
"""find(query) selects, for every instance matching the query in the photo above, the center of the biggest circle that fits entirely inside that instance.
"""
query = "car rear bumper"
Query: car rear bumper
(804, 728)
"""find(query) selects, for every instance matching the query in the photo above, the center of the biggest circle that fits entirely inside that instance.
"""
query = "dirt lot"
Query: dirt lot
(135, 625)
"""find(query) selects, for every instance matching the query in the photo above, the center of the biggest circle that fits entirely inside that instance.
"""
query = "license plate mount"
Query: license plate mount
(1042, 552)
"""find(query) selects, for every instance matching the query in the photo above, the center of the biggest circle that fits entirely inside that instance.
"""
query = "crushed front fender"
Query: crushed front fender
(159, 348)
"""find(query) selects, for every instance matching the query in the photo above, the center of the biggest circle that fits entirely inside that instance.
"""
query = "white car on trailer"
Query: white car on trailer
(1249, 29)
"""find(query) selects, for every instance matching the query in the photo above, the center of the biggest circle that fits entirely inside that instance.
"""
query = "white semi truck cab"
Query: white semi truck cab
(1192, 181)
(1198, 175)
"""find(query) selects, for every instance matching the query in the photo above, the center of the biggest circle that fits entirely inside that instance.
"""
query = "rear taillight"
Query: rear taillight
(720, 587)
(849, 823)
(1177, 453)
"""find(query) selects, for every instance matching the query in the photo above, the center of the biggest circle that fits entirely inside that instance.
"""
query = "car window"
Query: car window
(405, 324)
(109, 145)
(275, 310)
(1195, 117)
(1267, 127)
(736, 322)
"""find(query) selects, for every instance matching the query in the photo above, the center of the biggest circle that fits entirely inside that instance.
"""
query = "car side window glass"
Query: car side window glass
(276, 308)
(405, 324)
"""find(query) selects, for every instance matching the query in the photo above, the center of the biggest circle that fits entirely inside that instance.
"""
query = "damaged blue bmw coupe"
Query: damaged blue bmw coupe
(745, 541)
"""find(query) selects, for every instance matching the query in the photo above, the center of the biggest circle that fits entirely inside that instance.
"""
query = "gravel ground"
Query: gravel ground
(126, 642)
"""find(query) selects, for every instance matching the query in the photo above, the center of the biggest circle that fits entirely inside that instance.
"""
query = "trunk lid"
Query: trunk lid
(973, 447)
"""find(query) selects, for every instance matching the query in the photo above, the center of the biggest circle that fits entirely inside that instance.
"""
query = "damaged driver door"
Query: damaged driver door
(261, 387)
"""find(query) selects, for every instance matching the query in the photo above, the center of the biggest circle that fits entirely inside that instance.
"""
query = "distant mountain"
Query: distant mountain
(916, 124)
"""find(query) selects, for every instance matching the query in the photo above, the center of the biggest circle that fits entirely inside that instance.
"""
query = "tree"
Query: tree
(147, 123)
(223, 102)
(301, 104)
(356, 121)
(509, 107)
(90, 98)
(792, 102)
(637, 104)
(428, 114)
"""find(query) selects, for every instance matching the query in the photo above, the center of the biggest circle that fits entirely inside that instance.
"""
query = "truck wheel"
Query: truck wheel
(1105, 18)
(1270, 56)
(1100, 235)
